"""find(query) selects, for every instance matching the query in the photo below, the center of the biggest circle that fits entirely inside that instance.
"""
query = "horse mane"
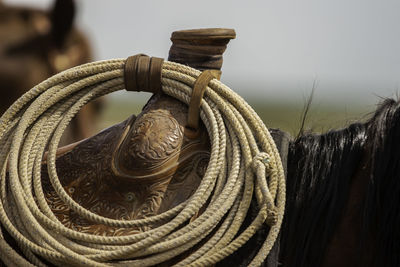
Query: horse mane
(320, 171)
(320, 168)
(382, 205)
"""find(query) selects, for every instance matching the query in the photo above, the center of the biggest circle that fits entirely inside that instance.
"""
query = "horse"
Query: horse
(343, 201)
(35, 45)
(343, 188)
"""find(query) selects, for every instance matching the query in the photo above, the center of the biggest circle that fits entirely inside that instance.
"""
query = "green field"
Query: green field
(285, 116)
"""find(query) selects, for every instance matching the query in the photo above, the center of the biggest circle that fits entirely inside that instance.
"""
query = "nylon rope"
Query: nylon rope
(244, 162)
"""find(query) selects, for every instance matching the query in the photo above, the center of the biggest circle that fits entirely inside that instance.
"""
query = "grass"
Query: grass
(285, 116)
(319, 119)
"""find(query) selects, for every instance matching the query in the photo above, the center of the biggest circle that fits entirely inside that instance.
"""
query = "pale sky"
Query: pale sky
(350, 47)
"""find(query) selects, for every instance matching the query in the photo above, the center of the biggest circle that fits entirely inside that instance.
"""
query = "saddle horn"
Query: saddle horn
(201, 49)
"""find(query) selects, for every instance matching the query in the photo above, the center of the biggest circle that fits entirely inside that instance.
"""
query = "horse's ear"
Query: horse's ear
(62, 18)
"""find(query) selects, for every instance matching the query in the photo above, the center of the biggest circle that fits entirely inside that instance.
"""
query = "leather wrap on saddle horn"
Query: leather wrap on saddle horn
(146, 164)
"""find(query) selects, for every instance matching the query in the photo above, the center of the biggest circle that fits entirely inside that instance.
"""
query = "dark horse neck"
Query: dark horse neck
(343, 195)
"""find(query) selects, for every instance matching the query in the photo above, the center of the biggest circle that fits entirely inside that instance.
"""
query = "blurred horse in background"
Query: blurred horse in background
(35, 45)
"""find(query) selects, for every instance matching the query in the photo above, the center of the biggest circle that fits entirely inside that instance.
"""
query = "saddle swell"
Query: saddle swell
(135, 169)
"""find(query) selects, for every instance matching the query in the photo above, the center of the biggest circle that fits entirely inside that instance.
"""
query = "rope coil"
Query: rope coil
(239, 139)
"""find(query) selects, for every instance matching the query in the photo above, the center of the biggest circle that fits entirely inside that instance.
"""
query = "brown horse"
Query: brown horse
(35, 45)
(343, 205)
(343, 198)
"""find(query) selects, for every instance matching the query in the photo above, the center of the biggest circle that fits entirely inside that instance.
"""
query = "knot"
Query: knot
(272, 215)
(260, 158)
(263, 158)
(142, 73)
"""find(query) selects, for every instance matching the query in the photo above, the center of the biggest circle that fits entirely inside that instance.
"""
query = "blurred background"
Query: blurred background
(347, 50)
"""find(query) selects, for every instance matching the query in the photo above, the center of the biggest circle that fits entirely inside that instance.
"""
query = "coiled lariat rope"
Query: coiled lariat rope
(244, 161)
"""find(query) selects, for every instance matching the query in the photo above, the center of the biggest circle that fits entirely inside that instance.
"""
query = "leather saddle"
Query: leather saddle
(147, 164)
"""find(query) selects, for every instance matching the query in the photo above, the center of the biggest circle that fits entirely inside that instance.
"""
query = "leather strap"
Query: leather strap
(142, 73)
(199, 87)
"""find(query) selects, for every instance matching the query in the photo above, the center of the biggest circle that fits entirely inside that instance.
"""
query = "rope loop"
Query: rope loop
(199, 88)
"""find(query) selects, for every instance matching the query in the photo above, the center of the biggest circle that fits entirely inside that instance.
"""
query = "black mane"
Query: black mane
(320, 171)
(382, 206)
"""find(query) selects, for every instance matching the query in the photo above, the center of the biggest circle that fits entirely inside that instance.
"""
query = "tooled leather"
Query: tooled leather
(136, 169)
